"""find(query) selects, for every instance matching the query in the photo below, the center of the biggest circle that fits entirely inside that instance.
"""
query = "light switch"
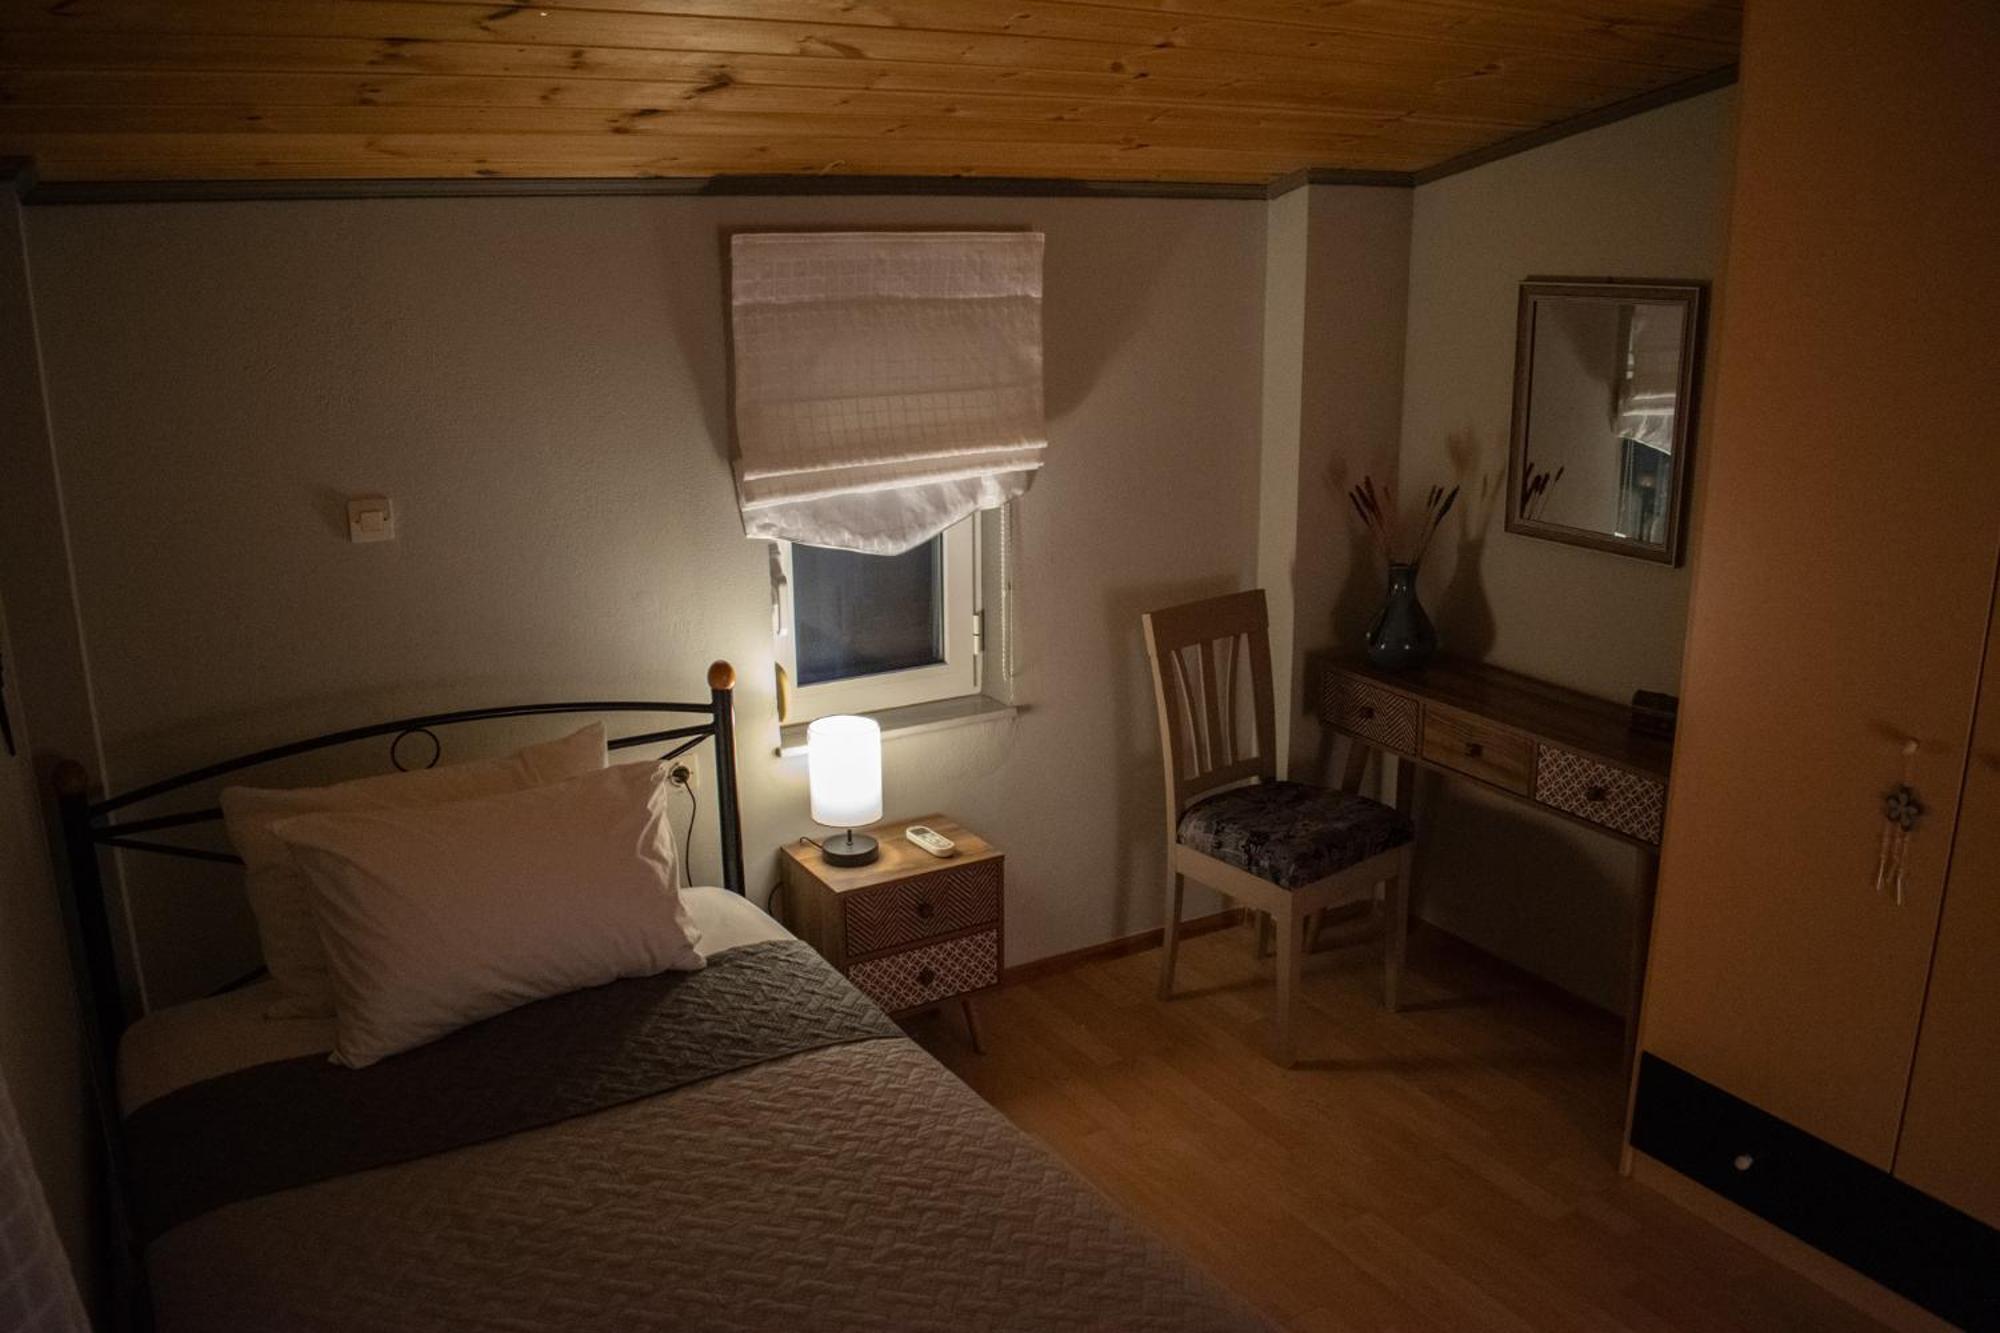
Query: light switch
(371, 518)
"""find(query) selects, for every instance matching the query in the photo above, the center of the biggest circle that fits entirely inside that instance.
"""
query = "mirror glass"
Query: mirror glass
(1603, 400)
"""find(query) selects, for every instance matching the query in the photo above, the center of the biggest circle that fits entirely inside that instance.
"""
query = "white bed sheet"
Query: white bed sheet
(186, 1043)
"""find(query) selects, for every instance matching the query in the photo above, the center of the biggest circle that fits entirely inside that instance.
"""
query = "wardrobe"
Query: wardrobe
(1820, 1033)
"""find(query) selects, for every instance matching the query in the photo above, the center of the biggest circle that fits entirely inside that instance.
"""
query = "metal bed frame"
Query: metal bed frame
(87, 828)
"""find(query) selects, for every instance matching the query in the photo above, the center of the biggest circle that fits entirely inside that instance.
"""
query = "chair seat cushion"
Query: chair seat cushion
(1291, 834)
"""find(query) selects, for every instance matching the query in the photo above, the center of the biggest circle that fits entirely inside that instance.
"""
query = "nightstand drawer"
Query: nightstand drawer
(924, 907)
(933, 972)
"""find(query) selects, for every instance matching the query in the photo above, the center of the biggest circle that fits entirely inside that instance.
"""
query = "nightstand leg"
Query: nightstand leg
(971, 1024)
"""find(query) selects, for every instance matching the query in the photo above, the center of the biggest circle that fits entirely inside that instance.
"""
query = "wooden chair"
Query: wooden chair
(1285, 849)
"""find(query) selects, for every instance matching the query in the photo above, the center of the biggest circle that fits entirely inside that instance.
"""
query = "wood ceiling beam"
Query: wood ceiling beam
(1178, 90)
(1495, 98)
(1555, 75)
(247, 93)
(1293, 145)
(98, 156)
(1464, 29)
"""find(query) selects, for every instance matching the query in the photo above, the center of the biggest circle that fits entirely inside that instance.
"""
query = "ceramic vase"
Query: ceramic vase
(1402, 637)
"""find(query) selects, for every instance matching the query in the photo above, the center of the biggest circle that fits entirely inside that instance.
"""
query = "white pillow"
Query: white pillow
(439, 916)
(277, 891)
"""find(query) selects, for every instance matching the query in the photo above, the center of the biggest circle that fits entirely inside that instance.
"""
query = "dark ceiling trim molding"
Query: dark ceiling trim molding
(1589, 120)
(189, 192)
(980, 186)
(20, 171)
(1395, 180)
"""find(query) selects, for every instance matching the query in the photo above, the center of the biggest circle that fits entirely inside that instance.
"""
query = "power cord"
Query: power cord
(683, 777)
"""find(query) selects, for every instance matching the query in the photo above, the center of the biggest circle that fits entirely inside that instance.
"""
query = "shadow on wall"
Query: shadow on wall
(697, 302)
(1463, 610)
(1360, 596)
(1140, 801)
(1090, 308)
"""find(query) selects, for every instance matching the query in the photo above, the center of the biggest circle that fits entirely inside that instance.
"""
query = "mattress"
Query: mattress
(833, 1180)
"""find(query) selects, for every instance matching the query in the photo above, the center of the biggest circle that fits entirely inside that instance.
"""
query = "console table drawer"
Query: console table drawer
(1620, 800)
(1478, 748)
(1377, 715)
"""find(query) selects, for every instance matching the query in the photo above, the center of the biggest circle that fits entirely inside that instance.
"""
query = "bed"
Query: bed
(751, 1145)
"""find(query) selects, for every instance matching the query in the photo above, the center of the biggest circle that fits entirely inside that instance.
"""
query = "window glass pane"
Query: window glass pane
(858, 615)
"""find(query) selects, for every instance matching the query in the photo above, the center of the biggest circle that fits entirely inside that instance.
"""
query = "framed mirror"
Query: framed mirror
(1605, 375)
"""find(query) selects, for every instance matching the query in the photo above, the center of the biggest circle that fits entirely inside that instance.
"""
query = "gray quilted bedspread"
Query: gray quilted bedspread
(295, 1122)
(855, 1186)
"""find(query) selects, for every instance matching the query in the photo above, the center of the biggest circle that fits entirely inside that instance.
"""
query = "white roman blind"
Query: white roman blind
(888, 384)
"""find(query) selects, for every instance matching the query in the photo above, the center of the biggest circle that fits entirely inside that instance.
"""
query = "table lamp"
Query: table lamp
(844, 772)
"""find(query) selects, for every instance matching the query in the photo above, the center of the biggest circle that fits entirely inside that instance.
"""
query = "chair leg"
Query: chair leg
(1395, 936)
(1171, 937)
(1260, 939)
(1291, 953)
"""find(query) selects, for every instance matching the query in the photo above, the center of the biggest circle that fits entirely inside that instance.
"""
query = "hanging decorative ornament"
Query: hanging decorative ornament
(1902, 809)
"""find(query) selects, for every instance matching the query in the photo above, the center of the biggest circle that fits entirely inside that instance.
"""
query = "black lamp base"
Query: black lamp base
(850, 849)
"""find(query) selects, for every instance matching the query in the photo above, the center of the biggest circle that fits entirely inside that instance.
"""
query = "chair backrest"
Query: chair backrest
(1201, 652)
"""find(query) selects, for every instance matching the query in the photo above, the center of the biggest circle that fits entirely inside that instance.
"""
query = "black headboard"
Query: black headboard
(88, 827)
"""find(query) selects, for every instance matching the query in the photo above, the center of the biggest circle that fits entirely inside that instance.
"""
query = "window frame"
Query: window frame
(958, 676)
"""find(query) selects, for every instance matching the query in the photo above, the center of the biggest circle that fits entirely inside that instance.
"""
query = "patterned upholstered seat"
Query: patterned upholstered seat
(1292, 834)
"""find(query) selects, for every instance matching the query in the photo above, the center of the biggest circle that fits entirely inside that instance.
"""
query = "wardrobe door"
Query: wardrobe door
(1849, 524)
(1950, 1147)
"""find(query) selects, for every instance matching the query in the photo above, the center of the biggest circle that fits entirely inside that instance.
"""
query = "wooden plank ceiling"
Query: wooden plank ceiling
(1242, 91)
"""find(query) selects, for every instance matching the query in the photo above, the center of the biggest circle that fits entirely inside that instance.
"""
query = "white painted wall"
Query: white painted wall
(1645, 197)
(1351, 399)
(539, 384)
(1287, 260)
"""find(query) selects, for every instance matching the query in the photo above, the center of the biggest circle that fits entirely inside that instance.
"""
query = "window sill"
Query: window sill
(914, 719)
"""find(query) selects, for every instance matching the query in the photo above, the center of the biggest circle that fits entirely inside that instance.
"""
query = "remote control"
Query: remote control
(931, 841)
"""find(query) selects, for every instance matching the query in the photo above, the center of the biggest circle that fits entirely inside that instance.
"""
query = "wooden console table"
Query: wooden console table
(1562, 751)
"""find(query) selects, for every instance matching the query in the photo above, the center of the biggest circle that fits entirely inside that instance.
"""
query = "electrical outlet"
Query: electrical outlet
(685, 775)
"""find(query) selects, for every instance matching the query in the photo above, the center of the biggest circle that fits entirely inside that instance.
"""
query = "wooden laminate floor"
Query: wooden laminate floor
(1449, 1168)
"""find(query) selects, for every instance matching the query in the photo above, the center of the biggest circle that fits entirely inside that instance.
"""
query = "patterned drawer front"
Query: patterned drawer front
(943, 902)
(1633, 805)
(934, 972)
(1367, 710)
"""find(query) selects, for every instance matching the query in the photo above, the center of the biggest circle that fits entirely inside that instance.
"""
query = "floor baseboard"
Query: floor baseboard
(1118, 948)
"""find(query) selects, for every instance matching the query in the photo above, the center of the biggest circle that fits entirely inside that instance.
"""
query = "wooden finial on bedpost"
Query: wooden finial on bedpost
(721, 676)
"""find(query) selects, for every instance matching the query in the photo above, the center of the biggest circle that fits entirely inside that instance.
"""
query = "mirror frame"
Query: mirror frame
(1691, 294)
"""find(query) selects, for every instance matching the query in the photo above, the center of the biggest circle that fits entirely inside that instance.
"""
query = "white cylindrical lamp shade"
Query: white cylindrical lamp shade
(844, 770)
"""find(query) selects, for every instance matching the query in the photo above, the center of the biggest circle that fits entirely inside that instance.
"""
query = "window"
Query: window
(861, 633)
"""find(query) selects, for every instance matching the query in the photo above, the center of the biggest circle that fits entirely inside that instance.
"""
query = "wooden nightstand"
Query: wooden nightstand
(909, 930)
